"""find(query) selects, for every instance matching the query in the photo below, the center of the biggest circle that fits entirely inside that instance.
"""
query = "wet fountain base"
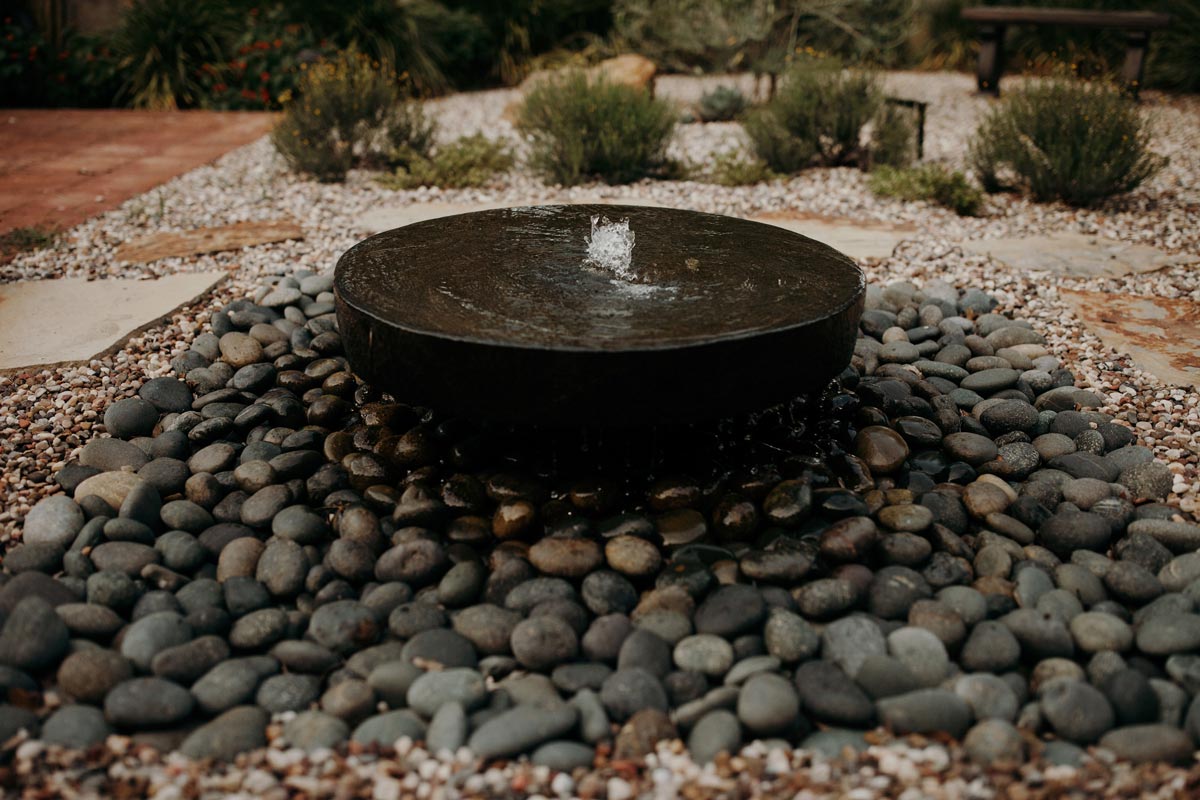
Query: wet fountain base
(496, 315)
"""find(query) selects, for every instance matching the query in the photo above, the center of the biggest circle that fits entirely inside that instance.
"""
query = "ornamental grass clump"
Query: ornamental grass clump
(162, 45)
(580, 128)
(1062, 139)
(348, 112)
(816, 118)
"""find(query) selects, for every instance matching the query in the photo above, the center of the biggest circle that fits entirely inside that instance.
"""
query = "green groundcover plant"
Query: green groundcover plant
(469, 161)
(933, 183)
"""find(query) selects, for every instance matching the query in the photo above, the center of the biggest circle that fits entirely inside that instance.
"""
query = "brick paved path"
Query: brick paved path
(58, 167)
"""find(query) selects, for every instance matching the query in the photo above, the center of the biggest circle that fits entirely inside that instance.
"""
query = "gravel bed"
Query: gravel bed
(917, 769)
(976, 540)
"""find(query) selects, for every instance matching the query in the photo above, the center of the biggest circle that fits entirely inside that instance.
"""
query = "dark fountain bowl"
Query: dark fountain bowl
(497, 316)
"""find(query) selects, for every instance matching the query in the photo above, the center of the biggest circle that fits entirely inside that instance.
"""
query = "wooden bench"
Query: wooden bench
(994, 20)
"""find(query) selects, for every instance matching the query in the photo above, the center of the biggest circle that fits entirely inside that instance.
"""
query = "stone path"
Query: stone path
(1160, 334)
(59, 167)
(74, 319)
(856, 239)
(1076, 254)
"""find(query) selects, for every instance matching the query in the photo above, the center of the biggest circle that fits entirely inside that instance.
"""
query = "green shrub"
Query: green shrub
(760, 35)
(162, 46)
(394, 34)
(894, 139)
(1173, 52)
(722, 104)
(522, 29)
(340, 117)
(79, 71)
(734, 168)
(262, 69)
(816, 118)
(930, 182)
(469, 161)
(1065, 140)
(709, 35)
(466, 48)
(579, 128)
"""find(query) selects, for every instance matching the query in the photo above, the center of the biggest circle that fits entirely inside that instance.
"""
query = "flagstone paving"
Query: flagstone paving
(199, 241)
(1160, 334)
(74, 319)
(1077, 255)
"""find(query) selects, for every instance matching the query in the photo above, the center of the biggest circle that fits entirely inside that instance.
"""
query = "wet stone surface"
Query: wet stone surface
(364, 569)
(562, 335)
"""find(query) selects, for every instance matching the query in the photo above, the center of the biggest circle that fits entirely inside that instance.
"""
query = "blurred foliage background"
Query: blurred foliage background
(241, 54)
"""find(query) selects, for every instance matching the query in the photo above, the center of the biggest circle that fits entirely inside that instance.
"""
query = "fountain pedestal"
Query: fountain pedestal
(496, 315)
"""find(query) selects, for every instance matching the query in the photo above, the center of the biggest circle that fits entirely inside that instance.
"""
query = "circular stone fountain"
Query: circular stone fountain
(502, 315)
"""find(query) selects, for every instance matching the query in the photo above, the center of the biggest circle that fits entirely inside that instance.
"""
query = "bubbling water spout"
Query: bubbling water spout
(610, 247)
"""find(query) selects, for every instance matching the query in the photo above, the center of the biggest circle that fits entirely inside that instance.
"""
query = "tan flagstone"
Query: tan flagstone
(207, 240)
(45, 323)
(1076, 254)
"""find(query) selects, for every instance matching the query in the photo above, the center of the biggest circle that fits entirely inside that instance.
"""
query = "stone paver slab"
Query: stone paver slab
(857, 240)
(44, 323)
(1075, 254)
(1160, 334)
(207, 240)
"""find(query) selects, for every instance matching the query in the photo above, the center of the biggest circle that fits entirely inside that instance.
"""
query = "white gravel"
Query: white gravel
(45, 415)
(917, 769)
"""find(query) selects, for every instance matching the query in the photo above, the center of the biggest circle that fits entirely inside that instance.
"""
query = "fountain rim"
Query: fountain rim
(711, 341)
